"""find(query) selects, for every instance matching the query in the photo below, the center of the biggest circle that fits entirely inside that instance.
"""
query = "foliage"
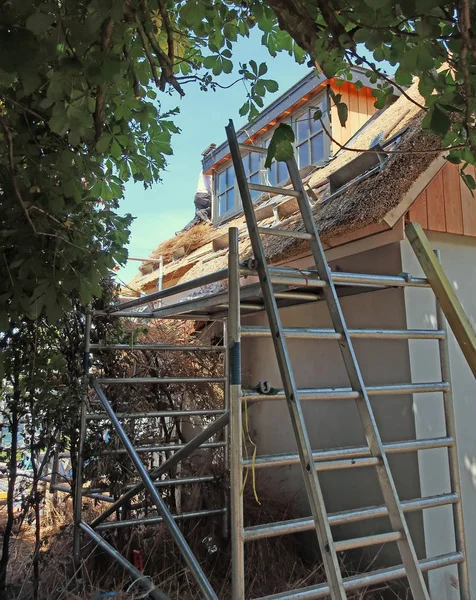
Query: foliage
(79, 117)
(429, 39)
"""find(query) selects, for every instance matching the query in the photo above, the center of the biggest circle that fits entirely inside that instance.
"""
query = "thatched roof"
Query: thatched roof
(365, 202)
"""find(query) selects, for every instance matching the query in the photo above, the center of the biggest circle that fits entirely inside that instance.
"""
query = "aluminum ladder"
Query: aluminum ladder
(149, 481)
(337, 585)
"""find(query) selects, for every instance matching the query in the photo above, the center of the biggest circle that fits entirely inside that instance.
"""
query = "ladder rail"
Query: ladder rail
(313, 488)
(450, 422)
(374, 441)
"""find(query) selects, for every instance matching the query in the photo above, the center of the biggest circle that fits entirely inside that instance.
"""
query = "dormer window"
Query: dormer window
(312, 147)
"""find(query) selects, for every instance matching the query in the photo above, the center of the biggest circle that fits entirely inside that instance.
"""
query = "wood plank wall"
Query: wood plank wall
(361, 107)
(446, 204)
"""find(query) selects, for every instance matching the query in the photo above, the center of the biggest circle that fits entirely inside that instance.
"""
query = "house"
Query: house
(361, 201)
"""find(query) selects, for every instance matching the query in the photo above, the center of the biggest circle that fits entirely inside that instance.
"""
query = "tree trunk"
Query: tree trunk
(12, 472)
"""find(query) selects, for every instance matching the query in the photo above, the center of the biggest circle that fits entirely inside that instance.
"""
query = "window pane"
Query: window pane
(254, 179)
(221, 182)
(303, 155)
(282, 172)
(302, 127)
(255, 161)
(230, 199)
(222, 204)
(317, 148)
(230, 177)
(315, 126)
(246, 164)
(272, 173)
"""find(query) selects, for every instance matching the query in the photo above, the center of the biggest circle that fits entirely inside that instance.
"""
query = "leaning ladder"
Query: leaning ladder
(393, 507)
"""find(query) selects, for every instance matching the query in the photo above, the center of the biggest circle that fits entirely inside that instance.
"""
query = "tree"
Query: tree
(80, 114)
(430, 39)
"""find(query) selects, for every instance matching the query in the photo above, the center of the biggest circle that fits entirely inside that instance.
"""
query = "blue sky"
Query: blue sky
(166, 207)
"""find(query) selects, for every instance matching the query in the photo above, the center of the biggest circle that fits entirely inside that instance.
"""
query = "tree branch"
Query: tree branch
(23, 108)
(386, 78)
(168, 28)
(371, 151)
(145, 45)
(106, 35)
(11, 167)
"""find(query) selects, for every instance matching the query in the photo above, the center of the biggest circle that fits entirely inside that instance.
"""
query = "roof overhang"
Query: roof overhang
(306, 86)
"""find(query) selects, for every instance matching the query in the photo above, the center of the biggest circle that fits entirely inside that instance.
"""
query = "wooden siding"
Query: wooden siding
(361, 107)
(446, 204)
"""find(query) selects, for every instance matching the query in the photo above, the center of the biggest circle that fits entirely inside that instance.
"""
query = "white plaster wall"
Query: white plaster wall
(458, 259)
(336, 423)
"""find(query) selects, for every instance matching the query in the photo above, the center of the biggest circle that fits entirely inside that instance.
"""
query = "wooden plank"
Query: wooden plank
(353, 118)
(452, 193)
(418, 211)
(415, 190)
(436, 204)
(370, 103)
(444, 292)
(468, 206)
(362, 104)
(346, 133)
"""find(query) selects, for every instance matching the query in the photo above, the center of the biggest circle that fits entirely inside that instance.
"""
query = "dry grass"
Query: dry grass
(271, 565)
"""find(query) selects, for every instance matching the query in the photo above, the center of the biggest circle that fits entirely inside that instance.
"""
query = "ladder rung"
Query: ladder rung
(297, 296)
(396, 389)
(165, 347)
(330, 334)
(298, 281)
(155, 520)
(109, 380)
(157, 414)
(180, 481)
(368, 540)
(161, 483)
(345, 278)
(251, 148)
(347, 457)
(369, 578)
(300, 235)
(271, 189)
(161, 448)
(268, 530)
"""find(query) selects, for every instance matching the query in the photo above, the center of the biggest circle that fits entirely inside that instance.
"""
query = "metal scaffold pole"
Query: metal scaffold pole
(234, 393)
(78, 484)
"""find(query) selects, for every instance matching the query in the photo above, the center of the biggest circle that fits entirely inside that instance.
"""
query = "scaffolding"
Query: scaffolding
(278, 287)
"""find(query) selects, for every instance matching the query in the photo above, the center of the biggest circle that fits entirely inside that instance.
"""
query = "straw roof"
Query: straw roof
(363, 203)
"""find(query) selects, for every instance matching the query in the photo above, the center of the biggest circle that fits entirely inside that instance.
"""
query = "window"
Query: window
(310, 139)
(253, 163)
(278, 172)
(311, 148)
(225, 190)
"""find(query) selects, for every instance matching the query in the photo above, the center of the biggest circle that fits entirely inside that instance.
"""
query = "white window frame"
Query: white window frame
(308, 109)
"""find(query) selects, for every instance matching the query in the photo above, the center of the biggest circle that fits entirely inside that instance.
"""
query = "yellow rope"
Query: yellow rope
(246, 434)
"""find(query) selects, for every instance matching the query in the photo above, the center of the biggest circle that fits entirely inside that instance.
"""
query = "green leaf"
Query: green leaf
(39, 22)
(102, 144)
(271, 85)
(469, 181)
(263, 69)
(281, 145)
(244, 110)
(436, 121)
(342, 113)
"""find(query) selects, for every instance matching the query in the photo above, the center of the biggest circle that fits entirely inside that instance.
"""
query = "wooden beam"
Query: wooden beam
(444, 292)
(415, 190)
